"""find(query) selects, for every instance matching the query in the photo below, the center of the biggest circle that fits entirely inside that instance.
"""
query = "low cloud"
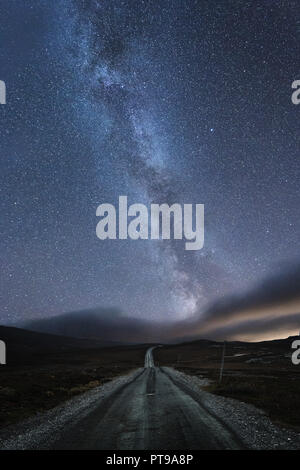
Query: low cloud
(270, 310)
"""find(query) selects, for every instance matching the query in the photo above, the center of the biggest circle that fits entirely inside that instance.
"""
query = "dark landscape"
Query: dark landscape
(258, 373)
(44, 370)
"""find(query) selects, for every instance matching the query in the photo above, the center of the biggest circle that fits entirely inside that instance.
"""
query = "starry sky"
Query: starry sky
(163, 101)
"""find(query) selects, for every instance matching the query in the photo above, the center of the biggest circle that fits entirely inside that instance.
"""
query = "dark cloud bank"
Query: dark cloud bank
(111, 324)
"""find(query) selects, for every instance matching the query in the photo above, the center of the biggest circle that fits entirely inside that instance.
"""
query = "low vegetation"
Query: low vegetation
(41, 381)
(261, 374)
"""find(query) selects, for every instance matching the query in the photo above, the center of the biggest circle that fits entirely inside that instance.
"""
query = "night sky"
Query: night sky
(163, 101)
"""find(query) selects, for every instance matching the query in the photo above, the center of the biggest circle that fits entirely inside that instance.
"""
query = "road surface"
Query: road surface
(149, 362)
(153, 411)
(150, 408)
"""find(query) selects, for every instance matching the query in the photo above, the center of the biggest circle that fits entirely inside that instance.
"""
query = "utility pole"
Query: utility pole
(222, 363)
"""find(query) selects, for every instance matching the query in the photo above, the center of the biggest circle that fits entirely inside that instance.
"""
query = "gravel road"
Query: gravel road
(151, 408)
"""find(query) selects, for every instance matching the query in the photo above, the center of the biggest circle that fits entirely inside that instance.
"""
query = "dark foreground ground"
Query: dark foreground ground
(153, 408)
(45, 370)
(258, 373)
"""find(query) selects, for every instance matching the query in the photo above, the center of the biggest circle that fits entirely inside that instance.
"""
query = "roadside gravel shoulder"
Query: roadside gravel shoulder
(39, 431)
(252, 425)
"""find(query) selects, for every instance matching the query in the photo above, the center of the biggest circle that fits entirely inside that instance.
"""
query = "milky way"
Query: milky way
(162, 101)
